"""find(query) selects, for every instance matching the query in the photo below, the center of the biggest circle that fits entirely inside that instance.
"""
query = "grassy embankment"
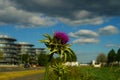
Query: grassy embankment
(15, 74)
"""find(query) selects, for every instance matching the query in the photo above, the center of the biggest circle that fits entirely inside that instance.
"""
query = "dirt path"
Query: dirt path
(31, 77)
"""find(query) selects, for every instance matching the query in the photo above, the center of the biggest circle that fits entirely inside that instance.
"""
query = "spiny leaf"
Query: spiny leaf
(69, 50)
(67, 45)
(52, 52)
(47, 36)
(44, 41)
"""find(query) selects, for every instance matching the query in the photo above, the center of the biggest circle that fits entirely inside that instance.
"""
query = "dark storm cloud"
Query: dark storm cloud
(48, 7)
(65, 8)
(49, 12)
(10, 14)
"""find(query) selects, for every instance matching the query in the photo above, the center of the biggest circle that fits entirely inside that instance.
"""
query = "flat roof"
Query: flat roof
(24, 43)
(7, 37)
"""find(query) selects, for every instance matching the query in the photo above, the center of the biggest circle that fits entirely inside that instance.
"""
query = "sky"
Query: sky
(93, 26)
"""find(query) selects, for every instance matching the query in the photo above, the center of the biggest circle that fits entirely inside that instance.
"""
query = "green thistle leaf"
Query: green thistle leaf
(44, 41)
(52, 52)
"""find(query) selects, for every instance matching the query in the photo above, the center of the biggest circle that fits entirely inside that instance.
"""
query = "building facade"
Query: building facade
(26, 48)
(12, 51)
(39, 50)
(8, 48)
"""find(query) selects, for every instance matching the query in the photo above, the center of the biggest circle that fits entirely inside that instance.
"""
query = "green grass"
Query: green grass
(104, 73)
(90, 73)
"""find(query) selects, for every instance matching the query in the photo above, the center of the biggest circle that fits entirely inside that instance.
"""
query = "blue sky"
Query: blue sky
(93, 28)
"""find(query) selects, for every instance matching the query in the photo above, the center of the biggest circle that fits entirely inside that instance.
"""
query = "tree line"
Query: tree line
(42, 58)
(111, 58)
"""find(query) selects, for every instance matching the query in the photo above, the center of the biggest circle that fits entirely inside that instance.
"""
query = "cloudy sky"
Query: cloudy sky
(92, 25)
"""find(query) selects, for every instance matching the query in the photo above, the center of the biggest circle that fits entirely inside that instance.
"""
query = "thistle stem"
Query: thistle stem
(59, 78)
(47, 67)
(46, 71)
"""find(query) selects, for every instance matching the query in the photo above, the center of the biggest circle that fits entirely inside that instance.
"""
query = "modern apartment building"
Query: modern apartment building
(26, 48)
(39, 50)
(8, 48)
(13, 50)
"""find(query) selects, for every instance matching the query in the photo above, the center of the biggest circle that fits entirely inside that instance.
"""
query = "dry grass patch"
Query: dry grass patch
(15, 74)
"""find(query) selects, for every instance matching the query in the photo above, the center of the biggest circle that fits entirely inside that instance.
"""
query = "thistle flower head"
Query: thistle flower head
(62, 36)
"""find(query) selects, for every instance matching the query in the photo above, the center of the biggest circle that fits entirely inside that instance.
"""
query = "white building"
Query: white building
(8, 48)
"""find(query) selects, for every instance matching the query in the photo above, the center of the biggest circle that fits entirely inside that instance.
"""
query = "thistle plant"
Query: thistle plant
(57, 44)
(59, 70)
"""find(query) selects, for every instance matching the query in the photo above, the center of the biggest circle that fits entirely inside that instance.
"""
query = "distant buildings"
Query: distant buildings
(26, 48)
(12, 50)
(8, 48)
(96, 65)
(72, 64)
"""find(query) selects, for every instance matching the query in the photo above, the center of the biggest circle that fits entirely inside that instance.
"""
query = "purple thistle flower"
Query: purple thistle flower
(62, 36)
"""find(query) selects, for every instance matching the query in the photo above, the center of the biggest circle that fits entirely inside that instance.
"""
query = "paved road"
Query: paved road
(31, 77)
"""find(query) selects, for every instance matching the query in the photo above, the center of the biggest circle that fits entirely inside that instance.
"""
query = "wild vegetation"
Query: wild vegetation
(74, 73)
(89, 73)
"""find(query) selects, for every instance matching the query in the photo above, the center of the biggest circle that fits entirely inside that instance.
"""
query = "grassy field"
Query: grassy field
(90, 73)
(15, 74)
(74, 73)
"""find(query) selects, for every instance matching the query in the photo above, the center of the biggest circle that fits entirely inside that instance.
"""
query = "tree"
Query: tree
(72, 58)
(111, 56)
(42, 59)
(1, 55)
(118, 56)
(101, 58)
(25, 58)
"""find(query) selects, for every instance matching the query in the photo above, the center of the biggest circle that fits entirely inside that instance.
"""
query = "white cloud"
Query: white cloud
(113, 45)
(108, 30)
(84, 37)
(85, 41)
(46, 21)
(94, 21)
(9, 14)
(83, 33)
(71, 34)
(86, 33)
